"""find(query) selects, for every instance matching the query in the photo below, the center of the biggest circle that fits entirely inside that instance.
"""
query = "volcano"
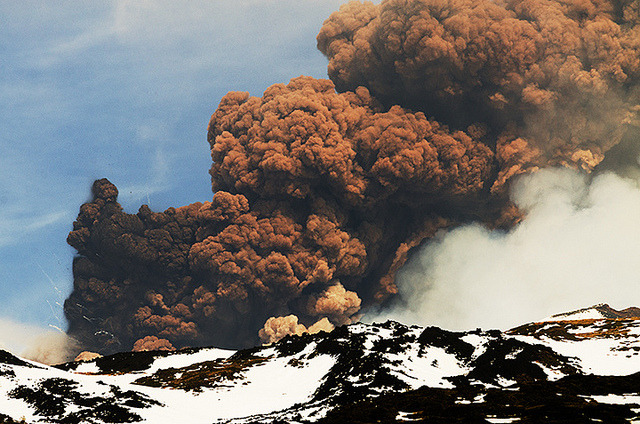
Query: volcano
(581, 366)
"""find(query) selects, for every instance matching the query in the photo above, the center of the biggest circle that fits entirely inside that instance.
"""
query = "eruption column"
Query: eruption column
(321, 191)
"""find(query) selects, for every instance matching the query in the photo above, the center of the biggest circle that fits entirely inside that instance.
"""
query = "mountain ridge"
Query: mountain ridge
(551, 370)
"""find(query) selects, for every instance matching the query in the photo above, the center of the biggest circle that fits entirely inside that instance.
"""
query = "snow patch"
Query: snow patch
(179, 360)
(407, 416)
(617, 399)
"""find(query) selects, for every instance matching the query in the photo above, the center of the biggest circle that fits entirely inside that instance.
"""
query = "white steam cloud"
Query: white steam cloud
(579, 245)
(45, 345)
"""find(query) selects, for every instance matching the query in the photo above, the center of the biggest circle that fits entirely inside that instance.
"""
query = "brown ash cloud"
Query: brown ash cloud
(321, 191)
(319, 197)
(555, 82)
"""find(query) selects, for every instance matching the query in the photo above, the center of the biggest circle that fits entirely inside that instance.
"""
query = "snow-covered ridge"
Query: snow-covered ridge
(599, 311)
(314, 377)
(601, 339)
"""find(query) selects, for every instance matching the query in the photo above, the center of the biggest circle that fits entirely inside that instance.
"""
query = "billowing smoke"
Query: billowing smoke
(552, 81)
(277, 327)
(320, 195)
(577, 247)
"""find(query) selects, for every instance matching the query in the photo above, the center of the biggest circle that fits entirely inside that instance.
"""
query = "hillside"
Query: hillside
(577, 367)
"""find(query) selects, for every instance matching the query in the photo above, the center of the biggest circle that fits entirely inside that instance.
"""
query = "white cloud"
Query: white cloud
(22, 222)
(79, 43)
(196, 34)
(578, 246)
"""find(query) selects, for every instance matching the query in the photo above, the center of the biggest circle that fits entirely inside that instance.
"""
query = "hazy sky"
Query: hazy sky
(122, 90)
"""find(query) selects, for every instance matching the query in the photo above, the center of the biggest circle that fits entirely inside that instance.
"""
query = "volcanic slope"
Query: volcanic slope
(576, 367)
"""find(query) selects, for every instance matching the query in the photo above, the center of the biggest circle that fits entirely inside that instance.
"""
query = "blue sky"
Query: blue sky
(122, 90)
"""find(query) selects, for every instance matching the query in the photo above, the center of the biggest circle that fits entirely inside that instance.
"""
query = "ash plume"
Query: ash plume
(277, 327)
(553, 82)
(319, 197)
(323, 188)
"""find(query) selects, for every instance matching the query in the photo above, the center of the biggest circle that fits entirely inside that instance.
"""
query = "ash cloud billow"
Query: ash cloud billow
(554, 82)
(322, 188)
(319, 196)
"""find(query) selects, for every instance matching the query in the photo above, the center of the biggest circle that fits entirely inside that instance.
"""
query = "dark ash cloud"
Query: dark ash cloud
(321, 191)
